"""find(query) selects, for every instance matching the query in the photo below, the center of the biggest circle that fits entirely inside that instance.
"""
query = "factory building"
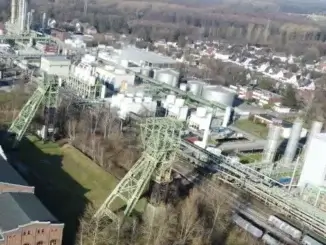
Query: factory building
(132, 56)
(200, 118)
(118, 79)
(314, 167)
(23, 218)
(56, 65)
(135, 103)
(176, 108)
(47, 48)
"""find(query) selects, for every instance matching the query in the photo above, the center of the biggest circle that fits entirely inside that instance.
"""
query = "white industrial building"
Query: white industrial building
(135, 103)
(143, 58)
(314, 168)
(118, 78)
(176, 107)
(56, 65)
(200, 119)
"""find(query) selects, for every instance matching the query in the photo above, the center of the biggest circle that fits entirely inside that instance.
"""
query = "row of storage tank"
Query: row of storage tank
(199, 88)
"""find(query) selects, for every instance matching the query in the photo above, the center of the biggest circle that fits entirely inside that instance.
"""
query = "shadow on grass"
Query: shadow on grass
(62, 195)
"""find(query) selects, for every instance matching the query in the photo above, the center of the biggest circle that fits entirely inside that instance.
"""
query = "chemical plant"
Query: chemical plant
(288, 177)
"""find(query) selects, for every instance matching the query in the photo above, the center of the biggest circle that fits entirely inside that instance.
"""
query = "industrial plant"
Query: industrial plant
(184, 120)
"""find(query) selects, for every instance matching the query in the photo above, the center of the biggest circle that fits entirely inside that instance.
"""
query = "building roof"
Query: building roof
(20, 209)
(9, 175)
(137, 55)
(57, 58)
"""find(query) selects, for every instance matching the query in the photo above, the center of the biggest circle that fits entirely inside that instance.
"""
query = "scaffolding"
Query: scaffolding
(161, 139)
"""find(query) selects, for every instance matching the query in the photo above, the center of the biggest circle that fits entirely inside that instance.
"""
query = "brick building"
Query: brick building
(24, 220)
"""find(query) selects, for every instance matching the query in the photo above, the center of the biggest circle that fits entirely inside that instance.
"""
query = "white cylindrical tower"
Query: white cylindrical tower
(316, 128)
(28, 22)
(44, 21)
(273, 139)
(227, 116)
(13, 16)
(23, 6)
(292, 145)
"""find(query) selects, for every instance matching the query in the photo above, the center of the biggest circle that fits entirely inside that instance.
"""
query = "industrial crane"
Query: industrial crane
(161, 139)
(47, 94)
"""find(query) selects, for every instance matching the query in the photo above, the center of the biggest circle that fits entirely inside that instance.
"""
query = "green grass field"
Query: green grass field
(250, 157)
(66, 180)
(255, 129)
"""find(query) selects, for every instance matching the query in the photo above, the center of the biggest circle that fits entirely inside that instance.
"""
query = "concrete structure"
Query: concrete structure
(200, 119)
(273, 141)
(292, 145)
(314, 168)
(56, 65)
(145, 58)
(227, 116)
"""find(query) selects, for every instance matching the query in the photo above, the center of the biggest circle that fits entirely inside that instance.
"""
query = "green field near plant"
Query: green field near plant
(66, 180)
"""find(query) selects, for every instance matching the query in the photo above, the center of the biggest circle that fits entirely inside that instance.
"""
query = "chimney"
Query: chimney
(23, 14)
(13, 11)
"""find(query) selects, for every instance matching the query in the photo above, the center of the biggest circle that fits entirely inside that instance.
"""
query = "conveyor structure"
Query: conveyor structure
(271, 192)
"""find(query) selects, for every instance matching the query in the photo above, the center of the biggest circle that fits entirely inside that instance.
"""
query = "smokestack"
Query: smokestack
(273, 139)
(28, 23)
(13, 11)
(44, 22)
(23, 5)
(292, 145)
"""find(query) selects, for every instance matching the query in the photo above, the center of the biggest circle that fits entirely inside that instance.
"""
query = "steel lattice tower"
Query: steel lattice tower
(161, 139)
(47, 93)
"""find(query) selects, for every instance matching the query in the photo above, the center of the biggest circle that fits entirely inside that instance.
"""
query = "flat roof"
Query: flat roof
(137, 55)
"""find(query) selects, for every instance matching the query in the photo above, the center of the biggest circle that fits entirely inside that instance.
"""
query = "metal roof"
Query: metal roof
(20, 209)
(9, 175)
(137, 55)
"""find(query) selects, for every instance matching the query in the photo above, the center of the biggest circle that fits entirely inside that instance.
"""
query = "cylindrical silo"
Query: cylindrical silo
(273, 139)
(316, 128)
(195, 87)
(218, 94)
(292, 145)
(165, 77)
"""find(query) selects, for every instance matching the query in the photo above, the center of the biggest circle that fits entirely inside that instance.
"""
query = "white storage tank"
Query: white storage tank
(183, 87)
(196, 86)
(218, 94)
(165, 77)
